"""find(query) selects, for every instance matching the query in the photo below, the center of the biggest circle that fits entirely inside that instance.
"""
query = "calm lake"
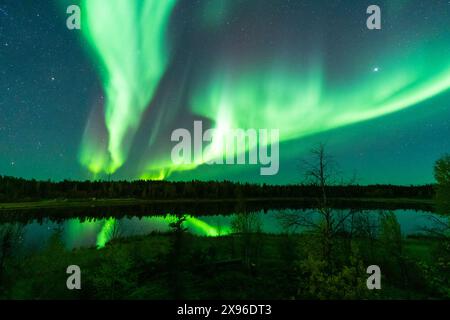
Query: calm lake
(96, 232)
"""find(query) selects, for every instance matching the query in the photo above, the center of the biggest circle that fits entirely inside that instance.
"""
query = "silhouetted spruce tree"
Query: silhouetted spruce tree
(442, 175)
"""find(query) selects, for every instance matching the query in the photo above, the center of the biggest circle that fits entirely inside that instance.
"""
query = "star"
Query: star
(52, 78)
(376, 69)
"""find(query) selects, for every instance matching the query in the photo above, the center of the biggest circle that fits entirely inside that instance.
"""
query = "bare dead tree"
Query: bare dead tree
(320, 170)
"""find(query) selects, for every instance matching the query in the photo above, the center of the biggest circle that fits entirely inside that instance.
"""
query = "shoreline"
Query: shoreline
(80, 203)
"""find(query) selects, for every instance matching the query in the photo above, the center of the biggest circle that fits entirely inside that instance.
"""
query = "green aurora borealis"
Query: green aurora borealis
(296, 92)
(133, 58)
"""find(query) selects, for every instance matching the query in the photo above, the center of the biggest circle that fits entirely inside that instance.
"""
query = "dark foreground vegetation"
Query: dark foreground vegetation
(246, 264)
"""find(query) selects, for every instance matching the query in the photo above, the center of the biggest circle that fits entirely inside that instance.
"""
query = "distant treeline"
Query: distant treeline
(16, 189)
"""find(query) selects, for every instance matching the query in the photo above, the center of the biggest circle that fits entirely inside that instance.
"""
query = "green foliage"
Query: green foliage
(348, 282)
(114, 278)
(438, 274)
(247, 227)
(391, 247)
(390, 234)
(442, 175)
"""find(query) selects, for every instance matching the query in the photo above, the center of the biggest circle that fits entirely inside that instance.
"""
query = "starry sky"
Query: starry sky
(102, 101)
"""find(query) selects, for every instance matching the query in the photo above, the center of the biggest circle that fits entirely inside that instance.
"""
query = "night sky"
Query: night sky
(102, 101)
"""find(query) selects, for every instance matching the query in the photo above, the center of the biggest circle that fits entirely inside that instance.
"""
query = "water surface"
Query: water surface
(96, 232)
